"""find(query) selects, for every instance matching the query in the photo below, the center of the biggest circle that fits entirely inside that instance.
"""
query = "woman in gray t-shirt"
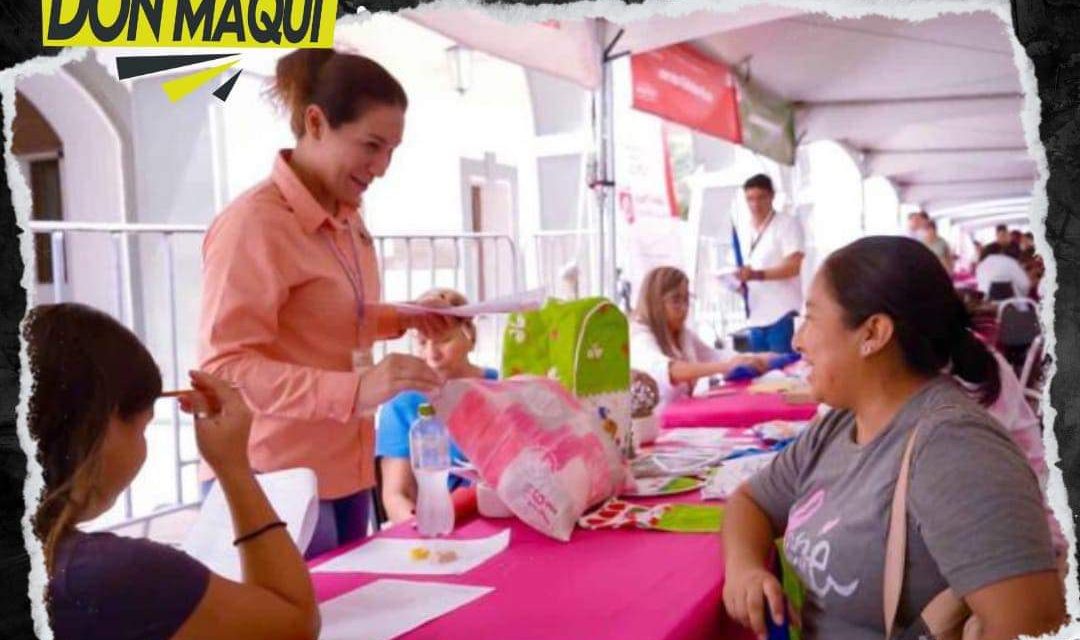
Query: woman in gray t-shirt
(882, 321)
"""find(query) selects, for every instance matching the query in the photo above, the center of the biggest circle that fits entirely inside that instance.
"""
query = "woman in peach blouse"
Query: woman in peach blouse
(290, 306)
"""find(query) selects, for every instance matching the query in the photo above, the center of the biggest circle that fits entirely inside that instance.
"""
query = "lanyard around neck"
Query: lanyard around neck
(353, 275)
(761, 234)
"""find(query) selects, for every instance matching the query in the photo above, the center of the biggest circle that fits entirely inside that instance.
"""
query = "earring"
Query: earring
(866, 349)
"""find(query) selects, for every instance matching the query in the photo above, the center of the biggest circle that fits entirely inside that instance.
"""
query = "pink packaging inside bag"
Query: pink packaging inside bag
(545, 454)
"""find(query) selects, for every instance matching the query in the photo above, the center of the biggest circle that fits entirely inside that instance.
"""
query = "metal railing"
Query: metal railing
(564, 261)
(481, 265)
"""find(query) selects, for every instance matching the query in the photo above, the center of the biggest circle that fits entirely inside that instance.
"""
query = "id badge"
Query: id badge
(362, 360)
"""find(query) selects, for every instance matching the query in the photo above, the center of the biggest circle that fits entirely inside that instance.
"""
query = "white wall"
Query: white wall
(882, 205)
(92, 188)
(832, 193)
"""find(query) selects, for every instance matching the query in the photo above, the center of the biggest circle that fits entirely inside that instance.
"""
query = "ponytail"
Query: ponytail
(901, 278)
(344, 85)
(294, 82)
(87, 369)
(973, 363)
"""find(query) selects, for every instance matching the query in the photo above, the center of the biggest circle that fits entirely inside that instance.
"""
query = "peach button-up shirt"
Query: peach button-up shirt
(279, 318)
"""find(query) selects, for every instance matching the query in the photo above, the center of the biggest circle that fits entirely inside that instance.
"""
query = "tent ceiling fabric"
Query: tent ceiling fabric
(567, 50)
(934, 105)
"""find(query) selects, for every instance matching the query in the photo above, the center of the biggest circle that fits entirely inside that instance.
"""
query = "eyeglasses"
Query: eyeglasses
(679, 300)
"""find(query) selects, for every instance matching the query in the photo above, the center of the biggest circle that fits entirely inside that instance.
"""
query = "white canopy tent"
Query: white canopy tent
(933, 106)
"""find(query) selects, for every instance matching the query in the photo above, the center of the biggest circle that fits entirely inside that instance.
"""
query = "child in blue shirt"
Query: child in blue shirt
(448, 355)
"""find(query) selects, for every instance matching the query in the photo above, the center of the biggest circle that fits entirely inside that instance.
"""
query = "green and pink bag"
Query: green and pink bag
(585, 345)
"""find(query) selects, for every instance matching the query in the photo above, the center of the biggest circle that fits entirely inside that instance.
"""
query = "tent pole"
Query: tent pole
(604, 182)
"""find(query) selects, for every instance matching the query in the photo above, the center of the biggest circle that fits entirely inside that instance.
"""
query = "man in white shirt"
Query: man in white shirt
(773, 249)
(916, 223)
(996, 266)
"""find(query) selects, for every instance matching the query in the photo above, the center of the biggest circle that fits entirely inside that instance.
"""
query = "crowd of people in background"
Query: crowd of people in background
(1010, 258)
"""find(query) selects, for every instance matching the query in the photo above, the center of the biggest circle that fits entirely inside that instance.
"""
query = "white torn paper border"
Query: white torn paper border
(20, 194)
(911, 9)
(388, 608)
(396, 556)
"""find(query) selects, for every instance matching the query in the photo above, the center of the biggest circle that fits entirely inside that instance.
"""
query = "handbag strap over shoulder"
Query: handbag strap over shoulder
(945, 614)
(896, 542)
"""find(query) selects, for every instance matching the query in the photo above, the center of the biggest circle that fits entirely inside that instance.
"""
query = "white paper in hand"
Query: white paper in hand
(388, 608)
(526, 301)
(400, 556)
(292, 492)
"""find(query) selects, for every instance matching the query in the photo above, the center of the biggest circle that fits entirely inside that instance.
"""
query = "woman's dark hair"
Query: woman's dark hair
(87, 368)
(658, 283)
(759, 181)
(901, 278)
(344, 85)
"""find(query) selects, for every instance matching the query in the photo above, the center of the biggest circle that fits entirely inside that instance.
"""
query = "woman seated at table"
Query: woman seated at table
(448, 355)
(94, 397)
(663, 346)
(882, 322)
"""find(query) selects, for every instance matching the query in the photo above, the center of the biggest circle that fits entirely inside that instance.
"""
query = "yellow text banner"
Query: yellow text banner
(189, 23)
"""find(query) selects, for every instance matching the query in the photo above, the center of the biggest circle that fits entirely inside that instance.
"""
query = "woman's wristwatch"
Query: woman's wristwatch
(757, 274)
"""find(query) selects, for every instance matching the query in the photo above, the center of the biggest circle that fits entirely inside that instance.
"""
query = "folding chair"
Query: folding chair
(1001, 290)
(1034, 355)
(1031, 376)
(1018, 326)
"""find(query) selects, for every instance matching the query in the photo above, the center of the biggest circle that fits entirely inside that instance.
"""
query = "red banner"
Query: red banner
(681, 85)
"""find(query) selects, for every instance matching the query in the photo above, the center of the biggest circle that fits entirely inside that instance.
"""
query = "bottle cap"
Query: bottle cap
(426, 410)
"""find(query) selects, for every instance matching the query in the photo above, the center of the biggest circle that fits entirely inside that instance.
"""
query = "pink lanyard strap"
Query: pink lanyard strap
(353, 276)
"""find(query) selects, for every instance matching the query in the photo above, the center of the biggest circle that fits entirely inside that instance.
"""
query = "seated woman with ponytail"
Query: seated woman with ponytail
(882, 323)
(94, 394)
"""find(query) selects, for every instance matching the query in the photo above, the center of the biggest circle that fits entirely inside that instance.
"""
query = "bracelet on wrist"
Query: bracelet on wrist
(258, 532)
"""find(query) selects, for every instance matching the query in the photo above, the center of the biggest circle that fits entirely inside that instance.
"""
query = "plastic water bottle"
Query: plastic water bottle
(429, 449)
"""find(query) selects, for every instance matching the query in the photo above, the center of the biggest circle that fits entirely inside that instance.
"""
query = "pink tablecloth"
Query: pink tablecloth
(601, 584)
(740, 409)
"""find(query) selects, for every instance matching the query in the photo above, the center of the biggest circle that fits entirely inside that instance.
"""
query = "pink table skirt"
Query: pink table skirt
(740, 410)
(601, 584)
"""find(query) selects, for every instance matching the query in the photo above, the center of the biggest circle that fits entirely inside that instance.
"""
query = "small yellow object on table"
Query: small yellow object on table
(419, 553)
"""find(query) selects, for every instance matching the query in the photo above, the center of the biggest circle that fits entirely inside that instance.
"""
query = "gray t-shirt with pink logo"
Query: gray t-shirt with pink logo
(975, 512)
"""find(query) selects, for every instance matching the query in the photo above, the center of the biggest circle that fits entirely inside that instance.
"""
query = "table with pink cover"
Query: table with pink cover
(736, 409)
(965, 282)
(602, 584)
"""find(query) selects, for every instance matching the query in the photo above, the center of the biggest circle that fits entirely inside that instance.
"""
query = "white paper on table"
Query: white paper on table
(295, 497)
(395, 556)
(388, 608)
(774, 374)
(718, 438)
(732, 473)
(526, 301)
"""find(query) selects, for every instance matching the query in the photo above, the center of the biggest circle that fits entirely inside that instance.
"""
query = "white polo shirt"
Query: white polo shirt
(771, 300)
